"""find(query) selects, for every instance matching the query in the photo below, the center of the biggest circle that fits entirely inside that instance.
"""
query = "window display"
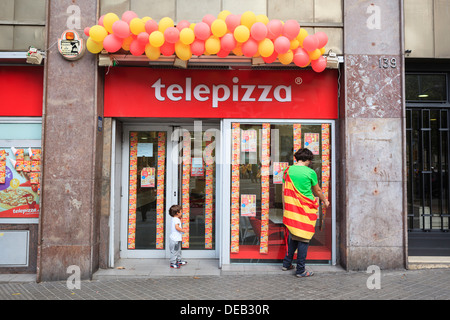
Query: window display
(260, 152)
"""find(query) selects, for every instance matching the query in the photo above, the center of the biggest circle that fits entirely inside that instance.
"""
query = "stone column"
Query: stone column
(72, 151)
(372, 136)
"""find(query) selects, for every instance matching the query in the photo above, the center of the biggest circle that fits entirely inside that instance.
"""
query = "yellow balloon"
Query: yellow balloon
(151, 52)
(108, 21)
(248, 18)
(165, 23)
(183, 51)
(238, 50)
(126, 43)
(212, 45)
(262, 18)
(98, 33)
(265, 48)
(241, 33)
(156, 39)
(314, 55)
(145, 19)
(286, 58)
(322, 50)
(192, 26)
(137, 26)
(223, 15)
(219, 28)
(187, 36)
(294, 44)
(93, 47)
(301, 36)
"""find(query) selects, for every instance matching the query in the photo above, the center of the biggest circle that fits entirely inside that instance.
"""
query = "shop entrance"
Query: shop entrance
(165, 165)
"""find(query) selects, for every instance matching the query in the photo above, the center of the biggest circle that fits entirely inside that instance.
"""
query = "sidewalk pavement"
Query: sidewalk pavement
(152, 279)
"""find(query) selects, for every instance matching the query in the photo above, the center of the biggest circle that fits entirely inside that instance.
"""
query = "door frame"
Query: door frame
(171, 193)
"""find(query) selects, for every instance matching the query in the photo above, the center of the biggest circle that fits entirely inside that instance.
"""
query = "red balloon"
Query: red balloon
(202, 31)
(319, 64)
(271, 58)
(250, 47)
(127, 16)
(310, 43)
(274, 28)
(208, 19)
(232, 21)
(198, 47)
(136, 48)
(322, 38)
(150, 26)
(228, 42)
(167, 49)
(183, 24)
(282, 44)
(258, 31)
(121, 29)
(86, 31)
(171, 34)
(301, 57)
(112, 43)
(143, 38)
(291, 28)
(223, 53)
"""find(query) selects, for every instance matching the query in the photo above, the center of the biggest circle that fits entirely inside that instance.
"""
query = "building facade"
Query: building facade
(118, 138)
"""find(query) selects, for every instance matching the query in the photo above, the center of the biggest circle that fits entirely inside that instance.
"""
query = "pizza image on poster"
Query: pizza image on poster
(19, 183)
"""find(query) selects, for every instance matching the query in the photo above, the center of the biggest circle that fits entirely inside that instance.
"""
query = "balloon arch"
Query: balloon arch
(247, 35)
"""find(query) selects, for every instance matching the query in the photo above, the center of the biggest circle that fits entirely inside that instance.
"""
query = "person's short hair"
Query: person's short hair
(303, 154)
(174, 210)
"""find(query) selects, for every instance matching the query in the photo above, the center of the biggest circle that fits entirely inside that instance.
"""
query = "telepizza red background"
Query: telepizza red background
(129, 93)
(21, 91)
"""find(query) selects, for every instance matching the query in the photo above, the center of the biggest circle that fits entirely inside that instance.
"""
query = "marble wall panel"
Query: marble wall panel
(375, 149)
(373, 91)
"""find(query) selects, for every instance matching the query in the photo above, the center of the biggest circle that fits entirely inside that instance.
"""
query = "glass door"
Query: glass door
(164, 166)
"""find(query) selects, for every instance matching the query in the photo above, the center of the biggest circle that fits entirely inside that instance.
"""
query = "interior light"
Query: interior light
(423, 96)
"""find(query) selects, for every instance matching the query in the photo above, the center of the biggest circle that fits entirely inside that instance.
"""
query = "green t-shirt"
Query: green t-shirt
(303, 178)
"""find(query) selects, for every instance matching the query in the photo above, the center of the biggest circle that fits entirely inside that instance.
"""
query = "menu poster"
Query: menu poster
(248, 205)
(148, 178)
(248, 142)
(312, 142)
(278, 168)
(19, 184)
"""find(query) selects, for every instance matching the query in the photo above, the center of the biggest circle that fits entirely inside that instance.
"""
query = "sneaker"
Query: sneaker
(288, 268)
(305, 274)
(174, 266)
(181, 263)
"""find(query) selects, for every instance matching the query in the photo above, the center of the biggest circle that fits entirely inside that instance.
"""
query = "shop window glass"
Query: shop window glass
(426, 87)
(260, 152)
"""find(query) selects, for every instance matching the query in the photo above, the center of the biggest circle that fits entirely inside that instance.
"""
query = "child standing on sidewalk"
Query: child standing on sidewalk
(175, 238)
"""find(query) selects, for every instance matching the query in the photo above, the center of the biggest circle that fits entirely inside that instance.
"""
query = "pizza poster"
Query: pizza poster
(248, 205)
(312, 142)
(148, 177)
(278, 168)
(20, 170)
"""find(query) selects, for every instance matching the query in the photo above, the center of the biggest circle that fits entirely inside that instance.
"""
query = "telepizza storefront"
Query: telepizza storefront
(20, 166)
(215, 142)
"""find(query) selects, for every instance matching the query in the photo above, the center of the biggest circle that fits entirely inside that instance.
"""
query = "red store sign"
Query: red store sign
(167, 93)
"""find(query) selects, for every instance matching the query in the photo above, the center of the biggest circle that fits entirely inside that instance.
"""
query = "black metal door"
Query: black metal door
(427, 135)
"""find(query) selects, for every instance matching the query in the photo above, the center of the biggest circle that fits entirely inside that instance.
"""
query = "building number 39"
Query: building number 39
(386, 63)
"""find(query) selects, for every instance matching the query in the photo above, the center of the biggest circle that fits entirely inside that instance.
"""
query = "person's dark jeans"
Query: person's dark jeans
(302, 250)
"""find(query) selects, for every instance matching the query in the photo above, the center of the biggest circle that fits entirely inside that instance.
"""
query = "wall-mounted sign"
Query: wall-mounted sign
(71, 46)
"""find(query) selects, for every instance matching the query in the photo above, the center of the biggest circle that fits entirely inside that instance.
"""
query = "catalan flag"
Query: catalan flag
(300, 212)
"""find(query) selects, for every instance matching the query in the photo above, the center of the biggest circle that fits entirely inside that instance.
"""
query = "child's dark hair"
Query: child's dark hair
(304, 154)
(174, 210)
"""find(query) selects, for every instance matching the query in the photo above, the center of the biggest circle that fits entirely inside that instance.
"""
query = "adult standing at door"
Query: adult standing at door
(300, 185)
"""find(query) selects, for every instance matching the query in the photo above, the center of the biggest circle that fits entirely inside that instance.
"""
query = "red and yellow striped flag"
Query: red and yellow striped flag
(300, 212)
